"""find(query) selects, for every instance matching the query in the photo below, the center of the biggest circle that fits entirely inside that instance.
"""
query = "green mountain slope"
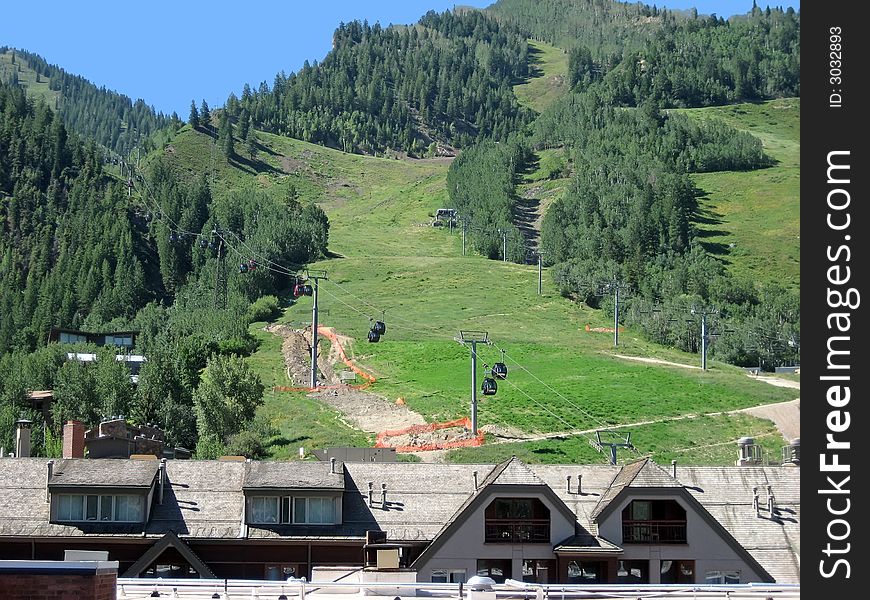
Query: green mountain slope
(752, 219)
(110, 118)
(391, 259)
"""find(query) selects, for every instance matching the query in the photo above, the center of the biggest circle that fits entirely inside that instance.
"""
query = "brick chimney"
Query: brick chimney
(74, 439)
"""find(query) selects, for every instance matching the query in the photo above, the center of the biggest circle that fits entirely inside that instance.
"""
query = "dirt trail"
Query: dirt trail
(785, 415)
(362, 409)
(657, 361)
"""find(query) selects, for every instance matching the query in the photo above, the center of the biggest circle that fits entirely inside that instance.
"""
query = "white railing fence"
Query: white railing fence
(242, 589)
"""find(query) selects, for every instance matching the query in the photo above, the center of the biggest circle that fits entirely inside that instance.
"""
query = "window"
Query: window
(517, 521)
(448, 575)
(654, 522)
(299, 510)
(82, 507)
(499, 570)
(280, 572)
(632, 571)
(264, 509)
(678, 571)
(723, 577)
(538, 571)
(313, 511)
(585, 572)
(71, 338)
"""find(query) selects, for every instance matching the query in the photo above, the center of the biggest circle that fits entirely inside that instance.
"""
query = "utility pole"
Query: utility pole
(705, 335)
(472, 338)
(540, 272)
(503, 245)
(316, 276)
(220, 281)
(464, 231)
(613, 286)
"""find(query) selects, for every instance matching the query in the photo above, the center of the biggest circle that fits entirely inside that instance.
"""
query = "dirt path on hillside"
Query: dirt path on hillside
(657, 361)
(785, 415)
(361, 409)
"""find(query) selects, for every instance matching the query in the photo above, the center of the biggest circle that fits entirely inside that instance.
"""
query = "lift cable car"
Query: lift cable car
(499, 370)
(380, 327)
(374, 336)
(243, 268)
(489, 386)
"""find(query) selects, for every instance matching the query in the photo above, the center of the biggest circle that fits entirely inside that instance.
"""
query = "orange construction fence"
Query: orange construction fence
(463, 422)
(329, 333)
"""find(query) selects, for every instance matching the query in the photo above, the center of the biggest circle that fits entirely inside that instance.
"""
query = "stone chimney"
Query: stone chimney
(22, 438)
(74, 439)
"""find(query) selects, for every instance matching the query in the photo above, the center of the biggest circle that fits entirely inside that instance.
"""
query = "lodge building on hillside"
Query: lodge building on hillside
(636, 523)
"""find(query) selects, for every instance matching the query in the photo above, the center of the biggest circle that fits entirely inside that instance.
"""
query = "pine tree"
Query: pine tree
(194, 115)
(251, 143)
(205, 115)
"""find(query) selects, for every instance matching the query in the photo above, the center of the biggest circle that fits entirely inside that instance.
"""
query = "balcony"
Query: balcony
(653, 532)
(512, 531)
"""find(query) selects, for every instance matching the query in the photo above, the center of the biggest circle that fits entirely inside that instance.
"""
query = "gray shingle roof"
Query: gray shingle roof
(201, 499)
(205, 499)
(293, 475)
(103, 473)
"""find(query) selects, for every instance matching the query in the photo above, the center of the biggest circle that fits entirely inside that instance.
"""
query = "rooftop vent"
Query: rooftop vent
(791, 454)
(750, 452)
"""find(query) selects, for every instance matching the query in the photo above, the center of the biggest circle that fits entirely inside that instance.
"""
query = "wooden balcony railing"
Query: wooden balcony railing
(511, 531)
(654, 532)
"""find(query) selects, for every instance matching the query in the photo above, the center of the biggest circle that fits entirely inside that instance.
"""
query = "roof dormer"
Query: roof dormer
(293, 493)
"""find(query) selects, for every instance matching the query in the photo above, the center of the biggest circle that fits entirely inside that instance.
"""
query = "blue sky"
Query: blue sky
(169, 53)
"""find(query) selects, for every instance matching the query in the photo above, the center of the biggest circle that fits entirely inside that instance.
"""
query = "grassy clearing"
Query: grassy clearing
(562, 389)
(708, 440)
(392, 259)
(549, 78)
(27, 79)
(758, 212)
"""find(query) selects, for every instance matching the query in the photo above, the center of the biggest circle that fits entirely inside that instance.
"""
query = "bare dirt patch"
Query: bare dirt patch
(657, 361)
(785, 415)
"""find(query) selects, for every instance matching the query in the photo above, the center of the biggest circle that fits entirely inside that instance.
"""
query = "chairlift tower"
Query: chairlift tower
(614, 286)
(705, 332)
(316, 276)
(623, 441)
(472, 338)
(220, 278)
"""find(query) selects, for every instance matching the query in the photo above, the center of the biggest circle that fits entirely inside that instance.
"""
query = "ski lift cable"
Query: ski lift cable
(592, 417)
(392, 315)
(570, 427)
(364, 314)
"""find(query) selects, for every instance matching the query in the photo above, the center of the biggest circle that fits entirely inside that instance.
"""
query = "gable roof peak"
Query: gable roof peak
(512, 471)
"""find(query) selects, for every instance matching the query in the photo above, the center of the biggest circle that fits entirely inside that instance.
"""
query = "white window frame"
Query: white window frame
(722, 577)
(105, 508)
(306, 518)
(287, 513)
(449, 575)
(255, 518)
